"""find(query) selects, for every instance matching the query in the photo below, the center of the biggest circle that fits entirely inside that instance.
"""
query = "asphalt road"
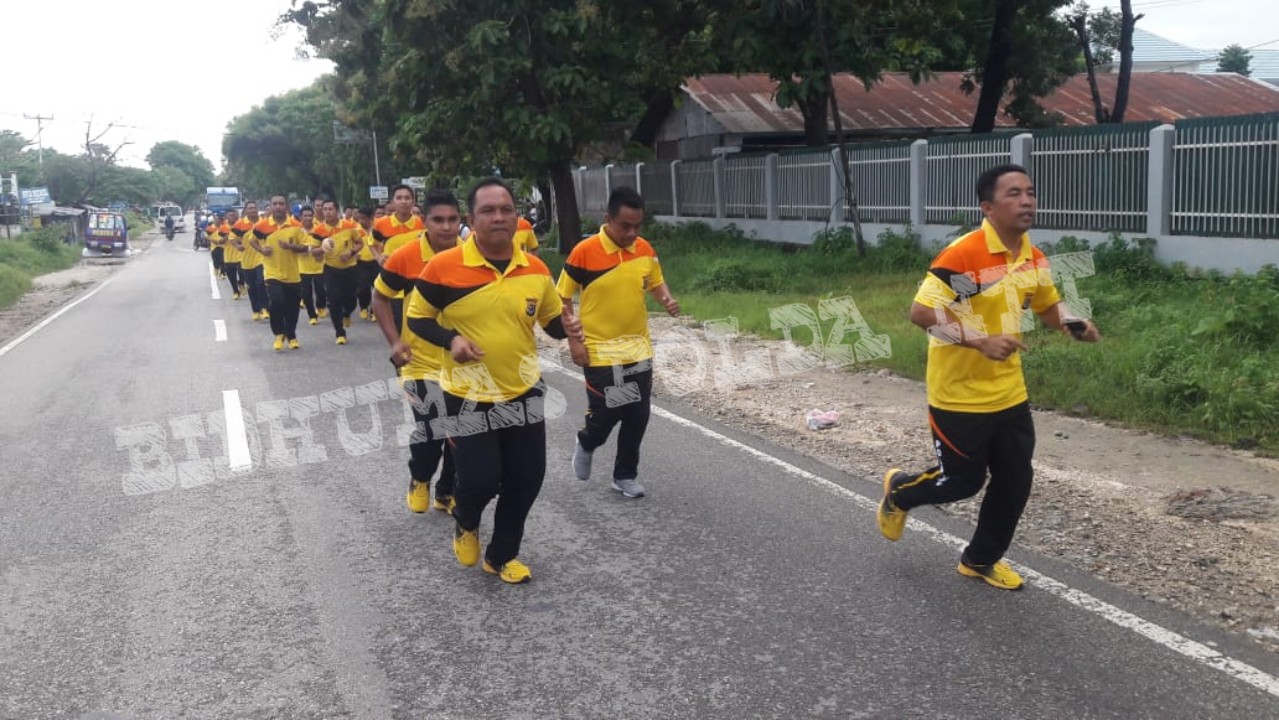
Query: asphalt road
(140, 577)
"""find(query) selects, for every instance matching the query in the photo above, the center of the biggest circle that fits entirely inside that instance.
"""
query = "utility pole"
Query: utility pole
(39, 133)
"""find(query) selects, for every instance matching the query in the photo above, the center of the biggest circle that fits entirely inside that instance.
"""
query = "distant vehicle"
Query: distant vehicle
(221, 199)
(107, 235)
(175, 212)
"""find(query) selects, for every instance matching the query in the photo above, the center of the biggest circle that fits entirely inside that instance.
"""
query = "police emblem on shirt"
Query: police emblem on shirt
(530, 306)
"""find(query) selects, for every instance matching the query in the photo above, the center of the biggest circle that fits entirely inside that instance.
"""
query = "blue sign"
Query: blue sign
(118, 206)
(32, 196)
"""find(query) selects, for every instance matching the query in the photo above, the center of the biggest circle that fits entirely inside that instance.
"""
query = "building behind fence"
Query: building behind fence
(1183, 184)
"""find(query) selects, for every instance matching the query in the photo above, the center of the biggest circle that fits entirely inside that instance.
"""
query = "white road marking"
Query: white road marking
(219, 331)
(1163, 636)
(21, 338)
(213, 282)
(237, 441)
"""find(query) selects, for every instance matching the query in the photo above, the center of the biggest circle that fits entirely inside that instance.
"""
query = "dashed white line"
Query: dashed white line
(237, 441)
(1163, 636)
(219, 331)
(23, 337)
(213, 282)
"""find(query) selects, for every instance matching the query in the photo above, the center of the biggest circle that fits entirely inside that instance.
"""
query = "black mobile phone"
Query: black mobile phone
(1076, 327)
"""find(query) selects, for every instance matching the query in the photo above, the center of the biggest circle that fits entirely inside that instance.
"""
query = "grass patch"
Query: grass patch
(1185, 352)
(32, 253)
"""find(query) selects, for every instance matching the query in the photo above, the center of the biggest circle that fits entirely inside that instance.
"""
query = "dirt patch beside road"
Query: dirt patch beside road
(1175, 520)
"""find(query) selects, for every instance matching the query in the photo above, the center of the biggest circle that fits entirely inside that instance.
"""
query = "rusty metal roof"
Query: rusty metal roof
(745, 104)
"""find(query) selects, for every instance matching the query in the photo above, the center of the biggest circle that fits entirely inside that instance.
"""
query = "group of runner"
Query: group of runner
(458, 312)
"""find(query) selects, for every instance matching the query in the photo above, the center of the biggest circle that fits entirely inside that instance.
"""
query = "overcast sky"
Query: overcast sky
(170, 70)
(180, 70)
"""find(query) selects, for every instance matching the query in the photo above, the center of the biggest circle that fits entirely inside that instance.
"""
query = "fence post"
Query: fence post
(1022, 145)
(1159, 192)
(580, 175)
(675, 187)
(721, 188)
(608, 180)
(639, 178)
(770, 186)
(918, 183)
(836, 187)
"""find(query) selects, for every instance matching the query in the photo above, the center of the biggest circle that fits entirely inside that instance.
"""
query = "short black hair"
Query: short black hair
(987, 180)
(624, 196)
(402, 186)
(306, 208)
(487, 182)
(441, 197)
(365, 211)
(250, 202)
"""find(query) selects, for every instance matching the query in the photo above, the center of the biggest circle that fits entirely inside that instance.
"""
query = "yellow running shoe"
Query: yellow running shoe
(314, 321)
(279, 343)
(257, 316)
(341, 340)
(444, 503)
(1000, 575)
(419, 497)
(891, 518)
(364, 314)
(235, 296)
(466, 546)
(294, 345)
(513, 572)
(266, 315)
(372, 317)
(323, 313)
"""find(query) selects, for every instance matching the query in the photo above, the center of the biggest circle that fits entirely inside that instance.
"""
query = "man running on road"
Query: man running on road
(614, 269)
(972, 305)
(480, 302)
(418, 360)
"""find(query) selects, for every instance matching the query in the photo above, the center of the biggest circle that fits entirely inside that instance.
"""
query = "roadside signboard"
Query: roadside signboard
(378, 192)
(35, 195)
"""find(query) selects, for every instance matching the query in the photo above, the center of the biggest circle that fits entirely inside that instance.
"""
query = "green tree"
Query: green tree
(286, 145)
(1018, 49)
(186, 160)
(1236, 59)
(527, 85)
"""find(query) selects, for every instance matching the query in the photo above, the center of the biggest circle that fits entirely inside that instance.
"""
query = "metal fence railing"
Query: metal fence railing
(880, 174)
(744, 187)
(953, 166)
(1093, 178)
(593, 198)
(1215, 177)
(696, 179)
(803, 185)
(1226, 177)
(659, 199)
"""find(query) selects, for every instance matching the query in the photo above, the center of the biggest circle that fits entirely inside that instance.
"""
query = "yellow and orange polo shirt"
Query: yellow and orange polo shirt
(496, 309)
(613, 281)
(989, 290)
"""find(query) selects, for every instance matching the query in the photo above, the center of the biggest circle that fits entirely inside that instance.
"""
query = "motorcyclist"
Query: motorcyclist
(168, 226)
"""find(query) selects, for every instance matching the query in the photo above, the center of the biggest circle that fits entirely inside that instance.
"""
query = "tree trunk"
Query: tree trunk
(570, 223)
(1080, 24)
(816, 112)
(1128, 22)
(996, 72)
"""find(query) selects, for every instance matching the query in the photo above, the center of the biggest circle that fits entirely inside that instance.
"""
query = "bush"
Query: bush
(735, 275)
(13, 284)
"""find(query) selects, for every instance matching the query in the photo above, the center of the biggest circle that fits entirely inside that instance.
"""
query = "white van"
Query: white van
(179, 217)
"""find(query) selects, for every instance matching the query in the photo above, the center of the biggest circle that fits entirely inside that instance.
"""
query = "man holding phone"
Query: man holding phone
(972, 304)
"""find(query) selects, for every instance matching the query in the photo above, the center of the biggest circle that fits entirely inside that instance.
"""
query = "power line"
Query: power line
(39, 132)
